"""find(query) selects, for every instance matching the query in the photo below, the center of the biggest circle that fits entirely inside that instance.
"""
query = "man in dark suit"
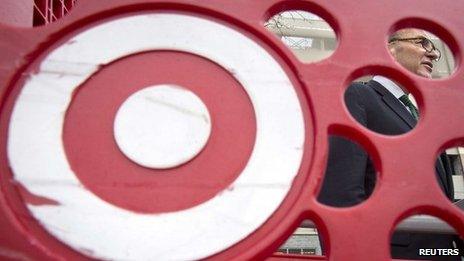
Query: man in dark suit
(383, 106)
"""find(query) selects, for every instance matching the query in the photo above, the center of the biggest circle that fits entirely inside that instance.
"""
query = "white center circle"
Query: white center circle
(162, 126)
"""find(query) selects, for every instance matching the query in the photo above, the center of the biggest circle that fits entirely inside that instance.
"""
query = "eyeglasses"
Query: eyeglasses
(425, 42)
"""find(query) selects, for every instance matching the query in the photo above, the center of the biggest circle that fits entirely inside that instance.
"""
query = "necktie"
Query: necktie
(406, 101)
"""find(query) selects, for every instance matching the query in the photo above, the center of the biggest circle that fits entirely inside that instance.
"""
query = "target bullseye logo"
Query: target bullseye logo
(141, 156)
(162, 126)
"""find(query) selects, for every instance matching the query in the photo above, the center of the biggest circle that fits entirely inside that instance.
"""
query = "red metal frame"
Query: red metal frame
(357, 233)
(48, 11)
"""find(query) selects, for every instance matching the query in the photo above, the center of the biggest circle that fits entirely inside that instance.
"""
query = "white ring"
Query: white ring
(162, 126)
(101, 230)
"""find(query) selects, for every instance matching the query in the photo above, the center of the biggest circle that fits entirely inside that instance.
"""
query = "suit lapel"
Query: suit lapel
(441, 171)
(406, 116)
(394, 104)
(446, 174)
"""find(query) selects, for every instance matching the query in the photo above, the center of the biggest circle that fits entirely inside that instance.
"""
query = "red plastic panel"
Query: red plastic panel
(360, 233)
(17, 13)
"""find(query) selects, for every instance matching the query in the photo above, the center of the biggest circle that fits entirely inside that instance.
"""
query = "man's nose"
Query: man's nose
(433, 55)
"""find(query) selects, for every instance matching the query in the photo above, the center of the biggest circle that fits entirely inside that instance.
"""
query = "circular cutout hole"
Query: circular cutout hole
(382, 105)
(425, 237)
(307, 35)
(449, 168)
(304, 241)
(350, 175)
(421, 53)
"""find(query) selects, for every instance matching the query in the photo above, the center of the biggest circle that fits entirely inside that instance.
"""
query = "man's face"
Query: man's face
(411, 55)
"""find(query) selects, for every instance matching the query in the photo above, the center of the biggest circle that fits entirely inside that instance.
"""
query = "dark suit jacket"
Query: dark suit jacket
(350, 175)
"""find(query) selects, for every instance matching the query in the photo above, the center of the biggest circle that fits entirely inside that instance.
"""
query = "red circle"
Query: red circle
(99, 164)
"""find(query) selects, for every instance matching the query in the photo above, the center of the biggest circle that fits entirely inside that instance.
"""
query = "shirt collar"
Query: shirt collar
(390, 86)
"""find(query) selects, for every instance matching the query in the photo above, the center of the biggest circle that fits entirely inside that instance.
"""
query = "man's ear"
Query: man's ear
(392, 49)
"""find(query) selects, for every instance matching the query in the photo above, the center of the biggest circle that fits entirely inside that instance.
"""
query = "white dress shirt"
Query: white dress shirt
(391, 87)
